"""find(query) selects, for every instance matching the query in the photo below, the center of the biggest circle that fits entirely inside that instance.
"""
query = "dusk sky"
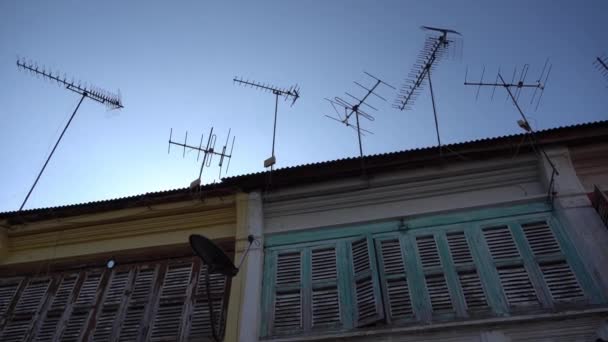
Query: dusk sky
(174, 62)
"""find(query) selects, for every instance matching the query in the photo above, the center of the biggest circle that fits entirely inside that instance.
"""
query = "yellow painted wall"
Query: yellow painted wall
(134, 228)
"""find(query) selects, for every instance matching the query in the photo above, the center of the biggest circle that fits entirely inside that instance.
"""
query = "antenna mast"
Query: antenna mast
(110, 100)
(354, 108)
(518, 85)
(208, 153)
(292, 93)
(435, 47)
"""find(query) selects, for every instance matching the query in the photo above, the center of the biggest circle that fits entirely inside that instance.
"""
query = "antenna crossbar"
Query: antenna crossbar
(102, 96)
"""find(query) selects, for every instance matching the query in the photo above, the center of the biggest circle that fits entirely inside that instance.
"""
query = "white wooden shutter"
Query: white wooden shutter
(288, 296)
(436, 285)
(325, 296)
(398, 300)
(514, 278)
(470, 283)
(367, 295)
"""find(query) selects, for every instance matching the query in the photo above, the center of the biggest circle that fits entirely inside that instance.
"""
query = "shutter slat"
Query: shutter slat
(288, 310)
(427, 250)
(288, 268)
(561, 282)
(459, 248)
(32, 295)
(360, 256)
(367, 296)
(48, 328)
(439, 293)
(472, 290)
(7, 293)
(541, 238)
(392, 257)
(325, 307)
(138, 301)
(74, 326)
(399, 301)
(167, 322)
(324, 264)
(501, 243)
(63, 293)
(200, 328)
(517, 286)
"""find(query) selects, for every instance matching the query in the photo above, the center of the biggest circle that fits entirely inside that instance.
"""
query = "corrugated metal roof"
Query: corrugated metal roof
(251, 180)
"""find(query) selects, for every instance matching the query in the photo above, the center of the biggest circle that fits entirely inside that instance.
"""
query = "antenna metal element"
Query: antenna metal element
(110, 100)
(292, 93)
(523, 123)
(208, 152)
(353, 106)
(601, 63)
(435, 48)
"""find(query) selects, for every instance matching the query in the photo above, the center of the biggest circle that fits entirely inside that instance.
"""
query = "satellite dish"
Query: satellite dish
(213, 256)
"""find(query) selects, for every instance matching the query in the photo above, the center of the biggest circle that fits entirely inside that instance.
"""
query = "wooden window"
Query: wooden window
(460, 270)
(155, 301)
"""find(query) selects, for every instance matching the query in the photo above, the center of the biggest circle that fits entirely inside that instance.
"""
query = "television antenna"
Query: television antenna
(514, 90)
(435, 48)
(110, 100)
(292, 93)
(208, 152)
(351, 109)
(217, 263)
(601, 63)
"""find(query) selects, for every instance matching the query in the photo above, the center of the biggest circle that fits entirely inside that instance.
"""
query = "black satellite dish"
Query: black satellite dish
(217, 262)
(213, 256)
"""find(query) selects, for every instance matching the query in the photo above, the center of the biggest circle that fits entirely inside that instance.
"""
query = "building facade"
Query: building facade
(119, 270)
(484, 244)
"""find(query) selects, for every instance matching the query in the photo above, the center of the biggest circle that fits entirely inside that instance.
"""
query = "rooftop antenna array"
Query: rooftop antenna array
(435, 48)
(208, 152)
(291, 93)
(601, 63)
(352, 107)
(514, 89)
(110, 100)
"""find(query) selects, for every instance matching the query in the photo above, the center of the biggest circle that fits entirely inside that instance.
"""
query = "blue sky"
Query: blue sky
(174, 61)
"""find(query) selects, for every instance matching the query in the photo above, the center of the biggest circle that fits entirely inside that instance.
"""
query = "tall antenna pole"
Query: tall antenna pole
(106, 98)
(434, 49)
(292, 93)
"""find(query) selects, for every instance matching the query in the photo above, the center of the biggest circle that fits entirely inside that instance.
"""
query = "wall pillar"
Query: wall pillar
(572, 205)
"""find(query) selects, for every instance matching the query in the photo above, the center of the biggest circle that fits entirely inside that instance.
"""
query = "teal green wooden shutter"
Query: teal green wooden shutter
(514, 278)
(468, 276)
(394, 280)
(436, 284)
(558, 276)
(367, 297)
(326, 307)
(287, 304)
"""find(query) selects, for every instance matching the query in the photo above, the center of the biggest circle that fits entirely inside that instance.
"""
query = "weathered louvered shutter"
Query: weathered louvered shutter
(367, 298)
(82, 307)
(28, 305)
(287, 305)
(512, 273)
(8, 293)
(394, 279)
(110, 314)
(470, 283)
(200, 321)
(558, 276)
(57, 310)
(138, 303)
(326, 306)
(436, 284)
(167, 322)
